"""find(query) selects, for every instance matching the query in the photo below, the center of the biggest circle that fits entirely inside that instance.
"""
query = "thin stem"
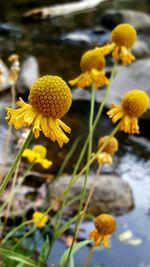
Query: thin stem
(97, 116)
(11, 196)
(73, 181)
(89, 256)
(20, 181)
(87, 170)
(105, 95)
(68, 156)
(14, 230)
(13, 167)
(89, 198)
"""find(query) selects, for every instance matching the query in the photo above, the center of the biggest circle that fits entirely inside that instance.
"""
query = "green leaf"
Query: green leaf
(76, 247)
(66, 226)
(44, 251)
(17, 257)
(20, 264)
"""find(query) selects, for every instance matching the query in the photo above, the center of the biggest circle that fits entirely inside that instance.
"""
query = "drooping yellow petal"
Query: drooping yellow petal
(104, 158)
(37, 126)
(126, 56)
(129, 125)
(115, 113)
(105, 241)
(44, 162)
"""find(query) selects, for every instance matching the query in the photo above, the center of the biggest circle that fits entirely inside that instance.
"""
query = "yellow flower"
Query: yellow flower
(105, 225)
(37, 155)
(123, 38)
(92, 65)
(133, 105)
(109, 149)
(40, 219)
(49, 100)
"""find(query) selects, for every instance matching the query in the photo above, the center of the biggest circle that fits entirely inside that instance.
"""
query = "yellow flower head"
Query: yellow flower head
(124, 35)
(40, 219)
(105, 225)
(123, 38)
(49, 100)
(37, 155)
(92, 64)
(133, 105)
(110, 147)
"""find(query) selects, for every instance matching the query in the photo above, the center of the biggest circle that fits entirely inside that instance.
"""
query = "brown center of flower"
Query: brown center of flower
(51, 96)
(92, 59)
(124, 35)
(105, 224)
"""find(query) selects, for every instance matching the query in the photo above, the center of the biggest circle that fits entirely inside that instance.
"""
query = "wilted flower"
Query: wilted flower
(37, 155)
(105, 225)
(15, 68)
(49, 100)
(92, 65)
(133, 105)
(105, 156)
(40, 219)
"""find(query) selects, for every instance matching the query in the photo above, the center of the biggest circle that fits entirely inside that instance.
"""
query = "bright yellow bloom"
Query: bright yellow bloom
(105, 225)
(40, 219)
(49, 100)
(92, 65)
(105, 156)
(123, 38)
(133, 105)
(37, 155)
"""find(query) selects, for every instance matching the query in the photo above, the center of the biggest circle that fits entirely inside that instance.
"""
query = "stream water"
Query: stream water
(59, 55)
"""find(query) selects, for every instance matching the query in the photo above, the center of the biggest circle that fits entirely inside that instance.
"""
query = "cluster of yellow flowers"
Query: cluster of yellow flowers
(37, 155)
(50, 99)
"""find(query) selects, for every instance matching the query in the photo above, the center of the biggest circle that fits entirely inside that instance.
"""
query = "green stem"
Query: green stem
(18, 157)
(87, 170)
(97, 118)
(14, 230)
(105, 95)
(73, 181)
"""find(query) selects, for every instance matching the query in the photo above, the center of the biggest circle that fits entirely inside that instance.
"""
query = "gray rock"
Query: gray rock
(140, 20)
(111, 194)
(140, 50)
(28, 75)
(5, 71)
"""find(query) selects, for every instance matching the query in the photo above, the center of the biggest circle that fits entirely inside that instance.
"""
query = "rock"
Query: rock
(111, 194)
(90, 36)
(28, 75)
(10, 30)
(140, 20)
(61, 9)
(135, 76)
(140, 50)
(5, 84)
